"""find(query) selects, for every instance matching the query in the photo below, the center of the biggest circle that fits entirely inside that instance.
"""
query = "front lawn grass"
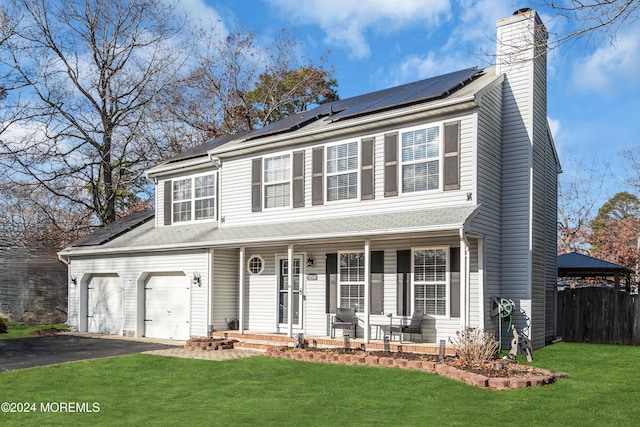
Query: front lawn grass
(24, 331)
(156, 390)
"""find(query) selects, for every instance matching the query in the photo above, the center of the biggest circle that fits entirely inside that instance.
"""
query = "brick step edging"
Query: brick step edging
(442, 369)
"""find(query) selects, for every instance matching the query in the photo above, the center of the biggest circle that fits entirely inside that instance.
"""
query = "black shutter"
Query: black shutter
(366, 171)
(217, 202)
(298, 179)
(391, 164)
(376, 304)
(404, 270)
(331, 272)
(454, 261)
(168, 189)
(317, 176)
(452, 156)
(256, 185)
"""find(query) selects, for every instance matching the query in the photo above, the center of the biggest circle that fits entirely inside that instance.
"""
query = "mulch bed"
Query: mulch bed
(47, 332)
(497, 374)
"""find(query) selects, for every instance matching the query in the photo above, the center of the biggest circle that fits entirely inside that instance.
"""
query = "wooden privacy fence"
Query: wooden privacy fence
(598, 315)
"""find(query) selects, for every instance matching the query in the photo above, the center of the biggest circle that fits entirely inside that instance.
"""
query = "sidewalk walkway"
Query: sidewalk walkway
(235, 353)
(177, 349)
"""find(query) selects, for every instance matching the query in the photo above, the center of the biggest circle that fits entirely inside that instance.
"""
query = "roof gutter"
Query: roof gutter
(185, 166)
(267, 240)
(66, 261)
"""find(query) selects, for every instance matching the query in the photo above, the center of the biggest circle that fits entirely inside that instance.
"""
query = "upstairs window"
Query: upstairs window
(421, 159)
(193, 199)
(342, 171)
(277, 181)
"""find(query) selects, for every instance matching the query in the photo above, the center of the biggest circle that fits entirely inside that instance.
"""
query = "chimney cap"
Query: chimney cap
(522, 11)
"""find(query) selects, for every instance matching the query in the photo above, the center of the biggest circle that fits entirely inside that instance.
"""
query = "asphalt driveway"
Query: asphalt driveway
(49, 350)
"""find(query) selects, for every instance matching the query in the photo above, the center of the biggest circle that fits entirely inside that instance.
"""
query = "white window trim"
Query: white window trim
(447, 296)
(339, 280)
(261, 265)
(327, 174)
(289, 181)
(401, 163)
(193, 198)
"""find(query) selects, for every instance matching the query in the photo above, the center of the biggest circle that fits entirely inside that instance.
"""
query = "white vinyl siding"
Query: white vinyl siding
(277, 181)
(133, 270)
(342, 171)
(420, 156)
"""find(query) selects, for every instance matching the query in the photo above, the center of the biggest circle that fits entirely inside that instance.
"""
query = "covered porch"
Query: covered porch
(367, 263)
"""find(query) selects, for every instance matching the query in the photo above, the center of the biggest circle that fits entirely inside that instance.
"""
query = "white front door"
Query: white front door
(283, 292)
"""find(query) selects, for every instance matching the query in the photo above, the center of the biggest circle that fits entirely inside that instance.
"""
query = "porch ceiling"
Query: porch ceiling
(148, 238)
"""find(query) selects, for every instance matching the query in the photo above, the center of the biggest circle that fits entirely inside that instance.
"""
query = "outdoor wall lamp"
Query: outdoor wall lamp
(309, 261)
(74, 280)
(196, 280)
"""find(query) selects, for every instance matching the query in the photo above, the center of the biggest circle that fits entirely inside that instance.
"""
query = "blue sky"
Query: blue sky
(593, 83)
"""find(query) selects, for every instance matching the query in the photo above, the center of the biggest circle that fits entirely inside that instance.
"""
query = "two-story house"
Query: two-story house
(435, 195)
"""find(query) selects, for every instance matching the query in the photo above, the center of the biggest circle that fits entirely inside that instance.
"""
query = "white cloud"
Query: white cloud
(199, 12)
(345, 22)
(612, 69)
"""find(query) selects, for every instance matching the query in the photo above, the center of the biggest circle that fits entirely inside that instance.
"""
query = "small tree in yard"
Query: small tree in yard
(474, 345)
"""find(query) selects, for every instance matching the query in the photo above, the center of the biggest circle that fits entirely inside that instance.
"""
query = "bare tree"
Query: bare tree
(578, 195)
(593, 16)
(632, 157)
(89, 72)
(237, 86)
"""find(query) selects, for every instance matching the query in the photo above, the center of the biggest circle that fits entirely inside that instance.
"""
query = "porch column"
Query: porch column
(241, 293)
(367, 289)
(464, 303)
(481, 297)
(290, 291)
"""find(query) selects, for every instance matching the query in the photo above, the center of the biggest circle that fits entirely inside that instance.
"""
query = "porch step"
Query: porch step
(264, 341)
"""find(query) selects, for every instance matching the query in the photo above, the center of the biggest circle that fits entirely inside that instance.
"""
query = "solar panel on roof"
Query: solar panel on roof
(420, 91)
(115, 229)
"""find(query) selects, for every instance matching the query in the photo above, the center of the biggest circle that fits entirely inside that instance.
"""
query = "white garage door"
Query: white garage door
(167, 306)
(104, 299)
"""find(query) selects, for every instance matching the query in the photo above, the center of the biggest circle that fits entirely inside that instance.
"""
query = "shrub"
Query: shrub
(3, 325)
(475, 345)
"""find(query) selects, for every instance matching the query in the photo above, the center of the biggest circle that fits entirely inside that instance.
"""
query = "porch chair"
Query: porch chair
(414, 327)
(345, 318)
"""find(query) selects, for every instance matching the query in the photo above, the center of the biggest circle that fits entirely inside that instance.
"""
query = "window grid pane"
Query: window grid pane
(352, 280)
(182, 189)
(277, 176)
(205, 209)
(205, 186)
(276, 195)
(430, 286)
(342, 171)
(420, 157)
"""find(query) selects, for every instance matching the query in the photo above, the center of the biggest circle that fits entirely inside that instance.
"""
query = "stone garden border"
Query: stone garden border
(442, 369)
